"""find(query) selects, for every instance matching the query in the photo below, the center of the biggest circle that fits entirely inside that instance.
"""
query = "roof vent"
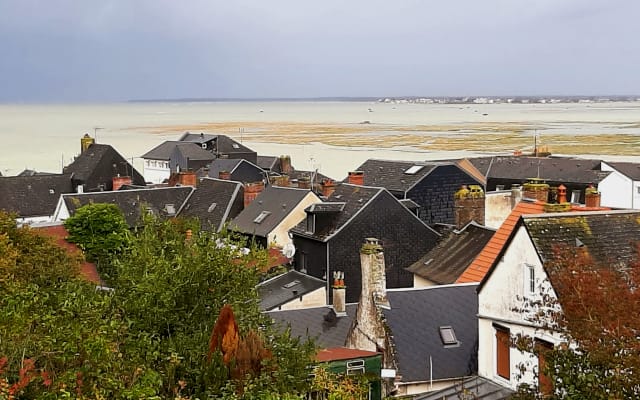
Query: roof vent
(579, 243)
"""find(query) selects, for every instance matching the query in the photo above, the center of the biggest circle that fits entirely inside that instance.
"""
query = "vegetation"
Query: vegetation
(598, 321)
(151, 335)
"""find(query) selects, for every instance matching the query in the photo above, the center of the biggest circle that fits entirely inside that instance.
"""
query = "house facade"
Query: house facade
(621, 188)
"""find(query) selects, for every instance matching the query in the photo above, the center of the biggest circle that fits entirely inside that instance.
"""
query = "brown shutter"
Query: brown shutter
(502, 352)
(545, 386)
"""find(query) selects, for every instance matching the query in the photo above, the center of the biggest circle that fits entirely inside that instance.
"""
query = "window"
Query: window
(291, 284)
(311, 223)
(170, 209)
(355, 367)
(261, 217)
(212, 207)
(575, 196)
(448, 336)
(529, 279)
(503, 348)
(235, 146)
(413, 169)
(303, 262)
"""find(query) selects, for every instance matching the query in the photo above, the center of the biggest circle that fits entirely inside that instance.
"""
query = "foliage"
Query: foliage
(101, 231)
(149, 336)
(599, 323)
(340, 386)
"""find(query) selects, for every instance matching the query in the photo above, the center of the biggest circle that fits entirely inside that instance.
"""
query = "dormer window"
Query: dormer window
(311, 223)
(261, 217)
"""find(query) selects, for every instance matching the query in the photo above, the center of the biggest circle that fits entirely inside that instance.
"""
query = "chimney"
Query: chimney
(468, 205)
(119, 181)
(187, 178)
(304, 182)
(281, 180)
(226, 175)
(328, 187)
(536, 189)
(591, 197)
(516, 195)
(356, 178)
(562, 194)
(368, 331)
(339, 294)
(285, 164)
(85, 142)
(251, 191)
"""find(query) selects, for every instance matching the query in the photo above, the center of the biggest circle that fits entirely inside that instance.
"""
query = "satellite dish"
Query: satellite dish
(289, 250)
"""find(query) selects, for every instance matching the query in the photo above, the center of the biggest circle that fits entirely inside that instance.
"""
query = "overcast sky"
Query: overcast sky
(105, 50)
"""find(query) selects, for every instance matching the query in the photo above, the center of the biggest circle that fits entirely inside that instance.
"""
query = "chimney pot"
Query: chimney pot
(328, 187)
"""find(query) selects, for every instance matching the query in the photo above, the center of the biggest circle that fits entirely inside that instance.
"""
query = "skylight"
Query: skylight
(448, 336)
(413, 169)
(261, 217)
(170, 209)
(235, 146)
(212, 207)
(291, 284)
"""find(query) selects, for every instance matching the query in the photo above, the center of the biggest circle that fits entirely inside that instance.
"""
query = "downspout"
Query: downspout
(430, 373)
(327, 274)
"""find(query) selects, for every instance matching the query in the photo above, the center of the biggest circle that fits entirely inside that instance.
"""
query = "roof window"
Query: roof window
(291, 284)
(170, 209)
(448, 336)
(235, 146)
(413, 169)
(212, 207)
(261, 217)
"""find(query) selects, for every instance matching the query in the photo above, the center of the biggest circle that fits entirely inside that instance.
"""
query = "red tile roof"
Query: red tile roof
(342, 353)
(479, 267)
(59, 234)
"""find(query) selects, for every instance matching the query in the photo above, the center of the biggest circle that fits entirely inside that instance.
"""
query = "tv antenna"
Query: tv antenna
(95, 132)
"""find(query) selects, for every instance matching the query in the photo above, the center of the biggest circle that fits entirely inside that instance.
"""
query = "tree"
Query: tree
(596, 313)
(101, 231)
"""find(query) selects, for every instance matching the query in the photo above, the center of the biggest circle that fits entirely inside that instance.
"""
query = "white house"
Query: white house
(621, 188)
(517, 274)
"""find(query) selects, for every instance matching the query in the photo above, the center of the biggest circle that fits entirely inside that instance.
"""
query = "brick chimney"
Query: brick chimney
(536, 189)
(281, 180)
(339, 294)
(367, 331)
(119, 181)
(304, 182)
(226, 175)
(468, 205)
(356, 178)
(184, 178)
(591, 197)
(251, 191)
(328, 187)
(285, 164)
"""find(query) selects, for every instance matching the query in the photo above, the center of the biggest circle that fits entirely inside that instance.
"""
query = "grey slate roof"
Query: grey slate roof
(327, 207)
(632, 170)
(392, 175)
(223, 144)
(188, 149)
(32, 196)
(355, 198)
(475, 387)
(279, 202)
(268, 163)
(415, 318)
(610, 237)
(99, 164)
(283, 288)
(196, 137)
(223, 164)
(214, 203)
(319, 323)
(453, 254)
(557, 169)
(133, 202)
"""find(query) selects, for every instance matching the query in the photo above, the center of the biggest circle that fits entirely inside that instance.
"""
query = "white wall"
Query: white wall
(156, 171)
(419, 282)
(499, 301)
(617, 190)
(280, 235)
(497, 207)
(317, 298)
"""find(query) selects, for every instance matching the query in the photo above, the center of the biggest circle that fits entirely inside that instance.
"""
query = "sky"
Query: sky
(116, 50)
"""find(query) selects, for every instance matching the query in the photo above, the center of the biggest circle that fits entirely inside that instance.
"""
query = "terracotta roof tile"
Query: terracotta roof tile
(487, 257)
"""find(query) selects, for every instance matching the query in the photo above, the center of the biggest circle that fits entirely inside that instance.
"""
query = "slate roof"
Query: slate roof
(415, 319)
(32, 196)
(268, 163)
(610, 237)
(101, 162)
(320, 323)
(224, 164)
(133, 202)
(393, 176)
(355, 198)
(556, 169)
(475, 387)
(326, 207)
(223, 144)
(214, 203)
(286, 287)
(188, 149)
(197, 137)
(632, 170)
(452, 255)
(489, 255)
(277, 201)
